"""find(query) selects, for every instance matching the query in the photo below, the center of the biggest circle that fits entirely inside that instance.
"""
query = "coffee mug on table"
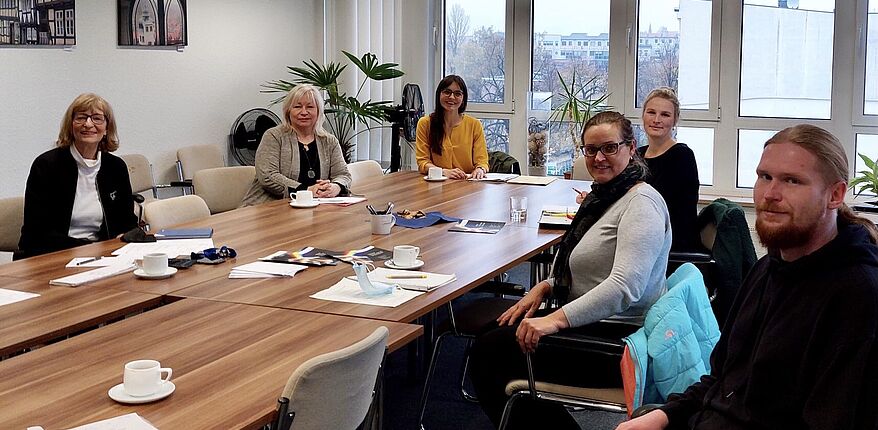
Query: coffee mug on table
(302, 197)
(405, 255)
(155, 263)
(434, 173)
(381, 224)
(144, 377)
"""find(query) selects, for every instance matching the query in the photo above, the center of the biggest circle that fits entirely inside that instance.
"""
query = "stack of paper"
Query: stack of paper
(171, 247)
(532, 180)
(93, 275)
(8, 297)
(265, 269)
(341, 201)
(349, 291)
(496, 177)
(99, 261)
(418, 281)
(131, 421)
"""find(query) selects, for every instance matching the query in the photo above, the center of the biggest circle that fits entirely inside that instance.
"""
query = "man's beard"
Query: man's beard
(788, 235)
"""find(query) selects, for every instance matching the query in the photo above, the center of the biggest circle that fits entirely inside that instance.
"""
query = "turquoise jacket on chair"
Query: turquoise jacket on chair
(672, 349)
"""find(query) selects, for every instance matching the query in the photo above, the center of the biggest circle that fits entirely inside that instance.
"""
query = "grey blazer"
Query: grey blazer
(277, 165)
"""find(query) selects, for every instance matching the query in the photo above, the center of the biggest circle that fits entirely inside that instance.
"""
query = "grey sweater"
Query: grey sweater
(618, 268)
(277, 165)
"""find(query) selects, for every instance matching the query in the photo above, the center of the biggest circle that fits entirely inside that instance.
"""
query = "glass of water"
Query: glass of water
(518, 209)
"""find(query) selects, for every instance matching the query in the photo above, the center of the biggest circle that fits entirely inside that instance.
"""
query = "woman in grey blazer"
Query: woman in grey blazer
(299, 154)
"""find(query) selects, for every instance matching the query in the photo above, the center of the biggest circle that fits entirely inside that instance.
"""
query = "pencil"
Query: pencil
(577, 191)
(406, 276)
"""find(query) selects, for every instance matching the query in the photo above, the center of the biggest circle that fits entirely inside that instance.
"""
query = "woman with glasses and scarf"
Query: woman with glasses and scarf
(610, 264)
(79, 192)
(449, 139)
(299, 154)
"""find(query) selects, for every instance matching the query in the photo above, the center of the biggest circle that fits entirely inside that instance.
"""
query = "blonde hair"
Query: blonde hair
(668, 94)
(831, 159)
(299, 92)
(81, 103)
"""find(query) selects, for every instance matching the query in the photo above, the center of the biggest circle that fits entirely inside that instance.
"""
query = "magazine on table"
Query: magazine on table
(478, 226)
(557, 216)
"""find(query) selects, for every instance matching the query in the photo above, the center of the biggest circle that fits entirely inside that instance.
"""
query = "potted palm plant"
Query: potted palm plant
(867, 180)
(574, 104)
(344, 112)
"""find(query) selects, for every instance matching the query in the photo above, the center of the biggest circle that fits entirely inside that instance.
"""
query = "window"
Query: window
(496, 134)
(699, 140)
(870, 105)
(750, 143)
(786, 59)
(674, 50)
(69, 19)
(475, 47)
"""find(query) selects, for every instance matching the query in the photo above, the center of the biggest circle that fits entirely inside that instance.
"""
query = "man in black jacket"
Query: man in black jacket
(799, 349)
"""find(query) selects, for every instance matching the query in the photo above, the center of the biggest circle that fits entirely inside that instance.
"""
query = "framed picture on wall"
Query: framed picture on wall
(152, 22)
(38, 22)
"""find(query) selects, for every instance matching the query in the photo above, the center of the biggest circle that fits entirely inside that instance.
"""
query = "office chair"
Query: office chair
(164, 213)
(191, 159)
(223, 188)
(334, 390)
(364, 169)
(12, 214)
(140, 175)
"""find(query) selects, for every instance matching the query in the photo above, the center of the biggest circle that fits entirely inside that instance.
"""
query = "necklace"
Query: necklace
(310, 172)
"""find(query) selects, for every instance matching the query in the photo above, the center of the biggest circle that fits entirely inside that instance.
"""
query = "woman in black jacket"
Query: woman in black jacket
(78, 193)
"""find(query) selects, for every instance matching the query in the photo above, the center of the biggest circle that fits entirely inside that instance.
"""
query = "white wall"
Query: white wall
(163, 99)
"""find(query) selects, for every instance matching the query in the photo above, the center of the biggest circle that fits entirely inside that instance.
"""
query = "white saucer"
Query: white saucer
(168, 273)
(439, 179)
(418, 264)
(304, 205)
(118, 394)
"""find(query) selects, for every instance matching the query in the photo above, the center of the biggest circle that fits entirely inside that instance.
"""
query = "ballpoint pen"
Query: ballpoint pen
(406, 276)
(577, 191)
(80, 263)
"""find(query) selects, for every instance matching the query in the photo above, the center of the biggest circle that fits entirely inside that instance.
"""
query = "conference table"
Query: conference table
(190, 317)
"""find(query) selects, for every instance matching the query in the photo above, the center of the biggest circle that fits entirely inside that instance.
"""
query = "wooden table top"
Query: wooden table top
(230, 364)
(60, 311)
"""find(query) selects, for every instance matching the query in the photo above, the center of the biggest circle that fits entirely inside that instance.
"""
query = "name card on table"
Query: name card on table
(8, 297)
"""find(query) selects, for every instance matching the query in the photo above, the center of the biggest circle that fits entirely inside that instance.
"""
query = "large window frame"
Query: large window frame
(848, 75)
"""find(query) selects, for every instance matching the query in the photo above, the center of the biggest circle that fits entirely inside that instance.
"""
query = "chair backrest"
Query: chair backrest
(364, 169)
(161, 214)
(194, 158)
(140, 175)
(334, 390)
(580, 172)
(501, 162)
(223, 188)
(12, 214)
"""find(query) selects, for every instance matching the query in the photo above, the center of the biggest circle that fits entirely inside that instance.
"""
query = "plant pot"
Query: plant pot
(536, 170)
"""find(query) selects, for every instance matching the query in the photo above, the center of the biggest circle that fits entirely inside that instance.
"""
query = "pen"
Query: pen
(406, 276)
(577, 191)
(88, 261)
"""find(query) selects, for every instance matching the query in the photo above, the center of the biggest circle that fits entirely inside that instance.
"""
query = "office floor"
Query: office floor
(447, 409)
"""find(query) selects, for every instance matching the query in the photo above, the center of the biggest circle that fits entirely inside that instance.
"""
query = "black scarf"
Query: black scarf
(601, 197)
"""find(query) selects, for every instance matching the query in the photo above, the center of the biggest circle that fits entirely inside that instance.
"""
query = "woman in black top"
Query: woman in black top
(78, 192)
(672, 167)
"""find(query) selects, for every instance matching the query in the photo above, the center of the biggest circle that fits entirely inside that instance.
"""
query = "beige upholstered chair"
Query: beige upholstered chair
(12, 214)
(140, 175)
(223, 188)
(580, 173)
(194, 158)
(161, 214)
(364, 169)
(333, 390)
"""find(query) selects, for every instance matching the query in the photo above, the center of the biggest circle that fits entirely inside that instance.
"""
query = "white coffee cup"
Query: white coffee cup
(434, 173)
(155, 263)
(381, 224)
(144, 377)
(405, 255)
(302, 197)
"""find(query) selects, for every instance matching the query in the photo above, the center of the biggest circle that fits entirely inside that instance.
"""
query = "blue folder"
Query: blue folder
(185, 233)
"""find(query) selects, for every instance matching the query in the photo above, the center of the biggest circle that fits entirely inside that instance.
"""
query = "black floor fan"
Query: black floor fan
(404, 120)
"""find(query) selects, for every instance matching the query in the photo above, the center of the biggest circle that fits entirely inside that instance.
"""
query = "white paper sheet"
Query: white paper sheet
(131, 421)
(344, 201)
(265, 269)
(494, 177)
(172, 247)
(92, 275)
(349, 291)
(8, 297)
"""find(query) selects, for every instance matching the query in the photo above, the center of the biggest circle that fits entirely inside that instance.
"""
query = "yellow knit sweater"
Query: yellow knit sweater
(464, 147)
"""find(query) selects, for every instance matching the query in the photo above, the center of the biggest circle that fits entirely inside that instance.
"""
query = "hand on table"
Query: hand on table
(454, 173)
(654, 420)
(478, 173)
(581, 196)
(531, 330)
(526, 306)
(325, 189)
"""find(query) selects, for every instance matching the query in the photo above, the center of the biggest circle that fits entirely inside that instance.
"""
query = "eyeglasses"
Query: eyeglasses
(215, 253)
(449, 93)
(607, 148)
(96, 118)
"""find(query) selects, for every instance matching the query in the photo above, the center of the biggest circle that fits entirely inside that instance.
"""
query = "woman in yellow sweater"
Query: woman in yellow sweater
(457, 144)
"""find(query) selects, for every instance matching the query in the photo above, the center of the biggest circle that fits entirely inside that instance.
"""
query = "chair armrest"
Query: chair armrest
(184, 183)
(645, 409)
(608, 341)
(693, 257)
(500, 287)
